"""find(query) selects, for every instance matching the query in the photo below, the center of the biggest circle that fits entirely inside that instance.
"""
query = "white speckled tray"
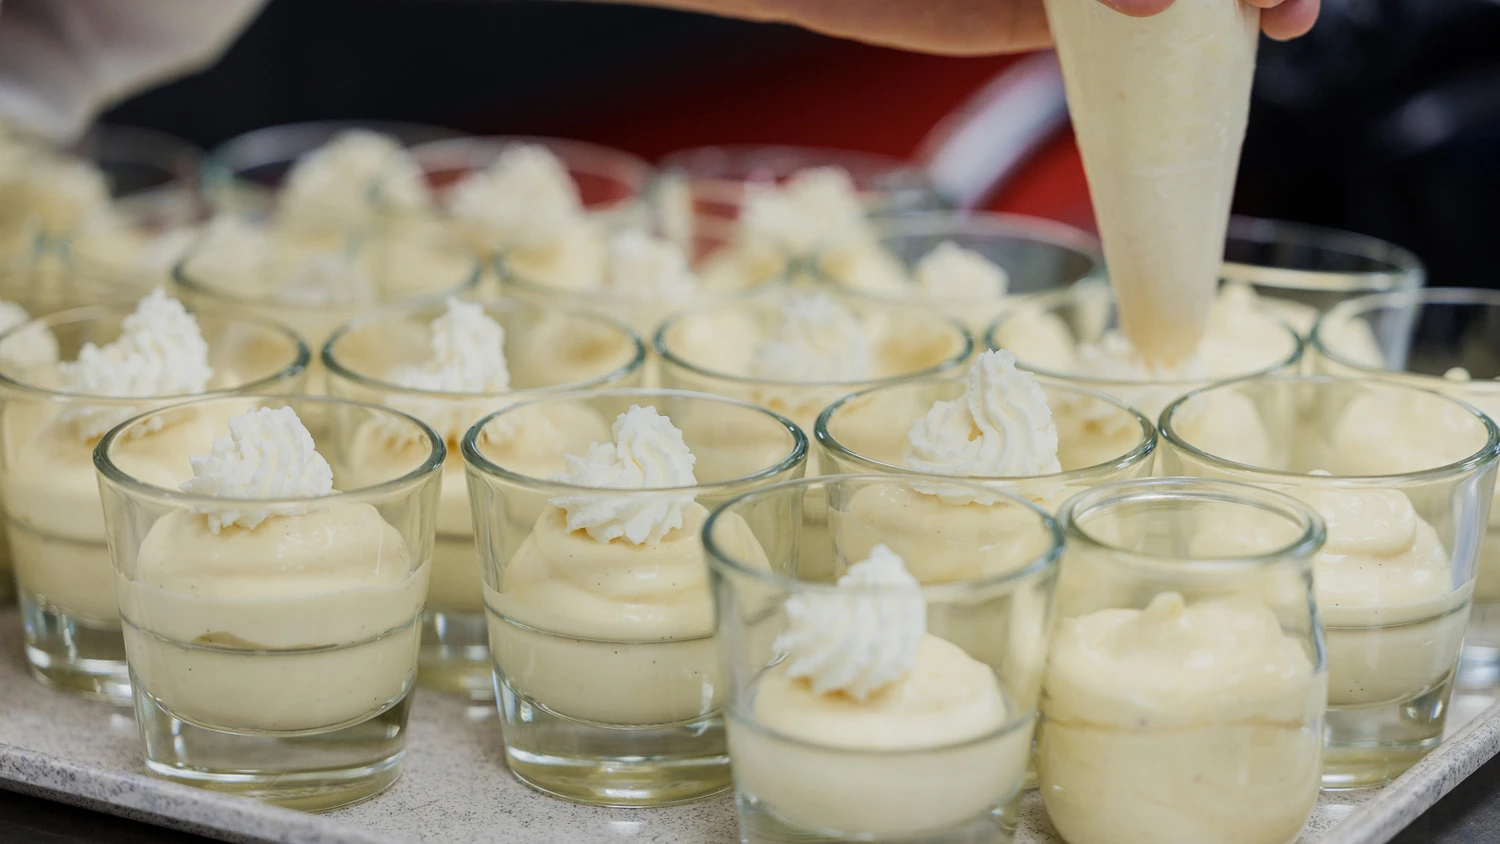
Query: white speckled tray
(455, 788)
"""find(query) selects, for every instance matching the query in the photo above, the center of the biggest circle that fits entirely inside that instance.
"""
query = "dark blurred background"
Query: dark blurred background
(1384, 120)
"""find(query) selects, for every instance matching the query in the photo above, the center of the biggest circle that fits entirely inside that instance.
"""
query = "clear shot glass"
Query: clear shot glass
(1439, 339)
(274, 662)
(1300, 271)
(243, 173)
(612, 184)
(866, 433)
(607, 677)
(1045, 331)
(317, 286)
(1404, 478)
(1035, 256)
(547, 351)
(1185, 687)
(710, 348)
(54, 523)
(939, 753)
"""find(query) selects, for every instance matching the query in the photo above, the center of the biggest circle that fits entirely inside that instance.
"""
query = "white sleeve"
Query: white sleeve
(64, 61)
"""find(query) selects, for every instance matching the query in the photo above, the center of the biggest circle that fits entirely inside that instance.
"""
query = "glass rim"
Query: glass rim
(722, 230)
(1406, 270)
(667, 355)
(89, 313)
(336, 366)
(429, 467)
(1049, 300)
(1023, 718)
(612, 162)
(180, 159)
(475, 459)
(729, 189)
(194, 283)
(950, 224)
(1349, 309)
(716, 557)
(228, 157)
(1488, 453)
(1301, 550)
(1141, 451)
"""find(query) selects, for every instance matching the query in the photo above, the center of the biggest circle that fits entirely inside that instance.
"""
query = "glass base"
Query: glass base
(312, 772)
(611, 765)
(759, 824)
(1479, 666)
(79, 657)
(455, 656)
(1369, 746)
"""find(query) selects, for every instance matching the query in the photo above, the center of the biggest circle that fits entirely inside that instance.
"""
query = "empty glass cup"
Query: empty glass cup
(600, 618)
(1300, 271)
(1186, 685)
(889, 695)
(1404, 478)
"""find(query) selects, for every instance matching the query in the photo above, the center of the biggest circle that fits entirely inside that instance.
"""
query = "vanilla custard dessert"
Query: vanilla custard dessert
(20, 350)
(1178, 724)
(816, 215)
(299, 616)
(55, 524)
(796, 352)
(603, 612)
(1001, 427)
(1242, 340)
(866, 724)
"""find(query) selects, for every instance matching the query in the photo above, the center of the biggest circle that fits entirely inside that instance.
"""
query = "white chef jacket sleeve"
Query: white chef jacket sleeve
(64, 61)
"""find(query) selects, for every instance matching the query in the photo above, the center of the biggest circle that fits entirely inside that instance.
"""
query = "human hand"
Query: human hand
(960, 27)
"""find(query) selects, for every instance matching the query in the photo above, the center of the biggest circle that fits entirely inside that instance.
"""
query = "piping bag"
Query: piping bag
(1159, 106)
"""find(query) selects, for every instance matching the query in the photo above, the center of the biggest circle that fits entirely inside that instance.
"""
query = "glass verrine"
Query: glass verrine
(1072, 336)
(714, 179)
(47, 435)
(1440, 339)
(274, 656)
(605, 668)
(1186, 683)
(1032, 255)
(545, 352)
(154, 178)
(722, 348)
(938, 752)
(316, 284)
(1405, 523)
(867, 432)
(611, 183)
(244, 173)
(1300, 270)
(523, 277)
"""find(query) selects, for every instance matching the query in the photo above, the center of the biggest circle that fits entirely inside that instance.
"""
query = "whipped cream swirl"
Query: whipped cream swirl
(1000, 427)
(524, 199)
(29, 346)
(815, 340)
(648, 453)
(352, 177)
(269, 453)
(329, 278)
(160, 352)
(468, 356)
(645, 267)
(950, 271)
(861, 638)
(815, 208)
